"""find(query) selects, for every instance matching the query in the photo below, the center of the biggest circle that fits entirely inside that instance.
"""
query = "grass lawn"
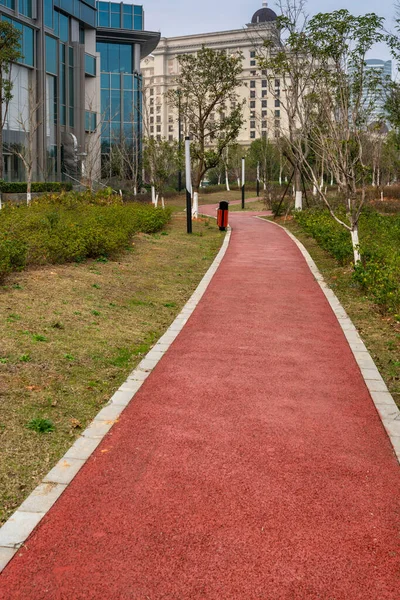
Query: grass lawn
(179, 202)
(257, 205)
(381, 334)
(70, 335)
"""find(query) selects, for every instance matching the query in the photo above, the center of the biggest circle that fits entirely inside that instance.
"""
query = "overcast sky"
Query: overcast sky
(184, 17)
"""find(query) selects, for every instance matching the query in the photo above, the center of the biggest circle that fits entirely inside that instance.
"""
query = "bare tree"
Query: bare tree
(28, 124)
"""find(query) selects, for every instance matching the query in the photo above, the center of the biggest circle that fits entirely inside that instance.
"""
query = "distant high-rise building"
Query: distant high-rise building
(384, 69)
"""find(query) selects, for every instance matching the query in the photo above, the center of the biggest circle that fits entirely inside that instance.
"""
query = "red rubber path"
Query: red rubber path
(251, 464)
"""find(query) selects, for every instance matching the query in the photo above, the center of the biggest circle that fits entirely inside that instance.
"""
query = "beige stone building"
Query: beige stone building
(262, 110)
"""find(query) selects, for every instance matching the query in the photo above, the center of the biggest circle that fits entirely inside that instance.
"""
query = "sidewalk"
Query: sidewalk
(251, 464)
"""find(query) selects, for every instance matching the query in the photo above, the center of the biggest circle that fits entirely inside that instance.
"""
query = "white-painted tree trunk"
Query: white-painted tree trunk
(331, 178)
(162, 202)
(195, 205)
(314, 190)
(28, 198)
(156, 201)
(298, 202)
(238, 182)
(135, 190)
(219, 179)
(355, 243)
(264, 185)
(227, 181)
(153, 194)
(1, 204)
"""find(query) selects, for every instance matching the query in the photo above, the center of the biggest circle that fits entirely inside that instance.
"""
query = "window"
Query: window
(252, 54)
(127, 10)
(277, 113)
(90, 65)
(158, 128)
(277, 103)
(252, 103)
(81, 35)
(63, 28)
(90, 120)
(263, 114)
(8, 3)
(252, 124)
(252, 134)
(115, 58)
(277, 82)
(25, 7)
(252, 84)
(48, 13)
(252, 63)
(264, 103)
(252, 114)
(264, 93)
(158, 119)
(253, 73)
(264, 83)
(264, 124)
(252, 94)
(51, 55)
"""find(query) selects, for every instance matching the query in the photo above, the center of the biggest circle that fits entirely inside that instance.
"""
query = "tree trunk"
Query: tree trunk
(355, 243)
(156, 201)
(162, 202)
(227, 181)
(29, 187)
(298, 201)
(238, 182)
(153, 194)
(219, 178)
(195, 204)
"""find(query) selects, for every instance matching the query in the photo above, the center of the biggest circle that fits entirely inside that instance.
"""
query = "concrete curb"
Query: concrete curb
(15, 532)
(380, 395)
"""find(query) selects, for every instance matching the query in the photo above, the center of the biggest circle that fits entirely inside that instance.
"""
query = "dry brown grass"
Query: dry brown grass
(70, 335)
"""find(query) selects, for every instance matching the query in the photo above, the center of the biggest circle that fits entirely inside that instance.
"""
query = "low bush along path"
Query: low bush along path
(251, 464)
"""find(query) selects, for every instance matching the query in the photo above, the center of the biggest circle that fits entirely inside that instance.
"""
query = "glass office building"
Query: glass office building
(81, 65)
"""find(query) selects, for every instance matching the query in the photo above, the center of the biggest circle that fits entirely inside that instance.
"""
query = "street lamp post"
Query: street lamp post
(188, 172)
(258, 179)
(243, 180)
(179, 140)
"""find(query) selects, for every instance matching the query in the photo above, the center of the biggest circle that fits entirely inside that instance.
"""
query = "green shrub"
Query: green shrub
(378, 274)
(20, 187)
(41, 425)
(79, 226)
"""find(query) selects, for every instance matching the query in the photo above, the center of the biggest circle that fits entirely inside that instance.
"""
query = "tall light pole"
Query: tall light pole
(179, 140)
(188, 173)
(243, 180)
(258, 179)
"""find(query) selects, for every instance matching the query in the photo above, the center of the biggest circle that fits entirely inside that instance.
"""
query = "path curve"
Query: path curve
(251, 464)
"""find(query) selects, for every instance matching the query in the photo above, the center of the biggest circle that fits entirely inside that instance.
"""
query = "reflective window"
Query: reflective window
(90, 65)
(116, 20)
(128, 106)
(48, 13)
(64, 28)
(8, 3)
(128, 82)
(90, 121)
(28, 46)
(51, 55)
(25, 7)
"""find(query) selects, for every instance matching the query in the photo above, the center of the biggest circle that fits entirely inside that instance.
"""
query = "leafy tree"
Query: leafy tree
(209, 104)
(337, 106)
(9, 52)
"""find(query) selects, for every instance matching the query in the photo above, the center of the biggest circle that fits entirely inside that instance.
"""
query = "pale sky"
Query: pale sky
(184, 17)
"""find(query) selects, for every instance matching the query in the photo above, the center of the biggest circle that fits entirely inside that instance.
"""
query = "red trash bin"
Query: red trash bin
(222, 215)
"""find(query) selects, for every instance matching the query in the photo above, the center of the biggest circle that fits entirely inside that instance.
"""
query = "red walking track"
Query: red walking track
(251, 464)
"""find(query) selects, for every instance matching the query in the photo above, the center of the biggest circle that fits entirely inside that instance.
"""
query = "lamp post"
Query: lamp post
(258, 179)
(188, 173)
(179, 140)
(243, 180)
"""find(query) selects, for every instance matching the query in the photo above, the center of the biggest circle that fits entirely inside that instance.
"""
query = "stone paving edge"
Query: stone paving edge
(381, 397)
(16, 530)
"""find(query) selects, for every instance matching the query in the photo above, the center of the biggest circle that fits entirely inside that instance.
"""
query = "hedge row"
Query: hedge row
(20, 187)
(378, 274)
(46, 232)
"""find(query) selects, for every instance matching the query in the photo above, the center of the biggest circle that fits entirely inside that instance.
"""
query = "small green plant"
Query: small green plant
(96, 285)
(12, 318)
(69, 357)
(170, 304)
(4, 361)
(16, 286)
(41, 425)
(25, 358)
(37, 337)
(96, 313)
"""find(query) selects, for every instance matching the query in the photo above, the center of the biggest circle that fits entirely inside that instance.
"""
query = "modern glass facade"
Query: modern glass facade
(86, 81)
